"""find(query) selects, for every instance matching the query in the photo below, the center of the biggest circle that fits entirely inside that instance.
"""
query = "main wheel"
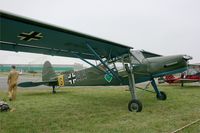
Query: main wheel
(135, 105)
(162, 96)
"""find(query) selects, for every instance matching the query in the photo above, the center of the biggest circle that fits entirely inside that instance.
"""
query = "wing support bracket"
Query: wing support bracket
(88, 62)
(110, 70)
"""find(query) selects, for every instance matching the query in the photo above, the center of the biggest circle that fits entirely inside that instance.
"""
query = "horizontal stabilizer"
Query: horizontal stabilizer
(31, 84)
(34, 84)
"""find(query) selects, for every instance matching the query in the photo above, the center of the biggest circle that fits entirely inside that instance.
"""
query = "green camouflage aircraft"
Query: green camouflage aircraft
(119, 64)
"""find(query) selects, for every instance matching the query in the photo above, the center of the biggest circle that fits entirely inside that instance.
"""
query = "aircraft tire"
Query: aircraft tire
(162, 97)
(135, 105)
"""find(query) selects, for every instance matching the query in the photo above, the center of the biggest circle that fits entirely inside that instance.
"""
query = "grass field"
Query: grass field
(100, 109)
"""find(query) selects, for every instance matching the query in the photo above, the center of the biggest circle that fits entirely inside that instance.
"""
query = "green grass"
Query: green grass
(101, 109)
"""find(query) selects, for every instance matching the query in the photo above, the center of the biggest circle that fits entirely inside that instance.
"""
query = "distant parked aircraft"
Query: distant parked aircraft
(192, 74)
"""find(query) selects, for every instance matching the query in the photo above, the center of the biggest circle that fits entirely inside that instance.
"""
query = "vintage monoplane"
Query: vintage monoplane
(119, 64)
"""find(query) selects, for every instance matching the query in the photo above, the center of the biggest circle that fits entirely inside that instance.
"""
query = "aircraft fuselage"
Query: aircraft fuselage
(149, 68)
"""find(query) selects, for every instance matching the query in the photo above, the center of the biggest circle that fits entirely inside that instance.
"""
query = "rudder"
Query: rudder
(48, 72)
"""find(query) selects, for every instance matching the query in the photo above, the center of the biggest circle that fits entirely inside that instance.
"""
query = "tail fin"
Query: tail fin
(169, 78)
(48, 72)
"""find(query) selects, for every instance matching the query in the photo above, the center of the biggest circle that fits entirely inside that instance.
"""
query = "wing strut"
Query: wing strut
(110, 70)
(88, 62)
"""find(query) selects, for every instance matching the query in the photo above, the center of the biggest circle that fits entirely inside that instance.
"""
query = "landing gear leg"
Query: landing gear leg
(134, 104)
(181, 83)
(53, 89)
(159, 94)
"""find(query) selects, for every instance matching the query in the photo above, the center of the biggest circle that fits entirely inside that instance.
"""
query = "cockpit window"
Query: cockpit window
(192, 71)
(137, 57)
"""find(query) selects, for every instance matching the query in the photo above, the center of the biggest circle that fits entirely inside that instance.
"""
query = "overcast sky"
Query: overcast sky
(165, 27)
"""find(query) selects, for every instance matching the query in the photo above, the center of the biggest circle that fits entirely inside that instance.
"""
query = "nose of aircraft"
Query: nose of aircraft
(161, 66)
(187, 57)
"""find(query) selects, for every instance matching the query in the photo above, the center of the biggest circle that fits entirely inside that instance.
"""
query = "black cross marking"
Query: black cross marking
(30, 36)
(72, 78)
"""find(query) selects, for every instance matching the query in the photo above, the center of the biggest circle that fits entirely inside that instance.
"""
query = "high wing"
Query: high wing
(148, 54)
(26, 35)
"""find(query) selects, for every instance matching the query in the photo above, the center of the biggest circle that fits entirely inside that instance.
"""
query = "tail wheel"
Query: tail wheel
(162, 96)
(54, 91)
(135, 105)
